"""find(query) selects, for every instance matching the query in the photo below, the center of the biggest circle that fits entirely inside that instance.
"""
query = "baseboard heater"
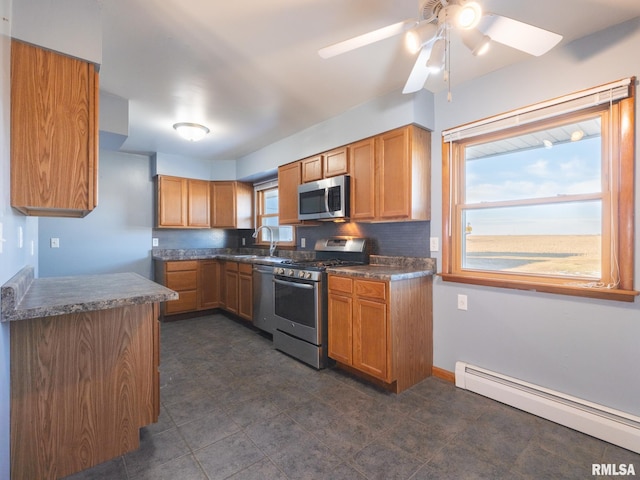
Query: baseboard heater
(613, 426)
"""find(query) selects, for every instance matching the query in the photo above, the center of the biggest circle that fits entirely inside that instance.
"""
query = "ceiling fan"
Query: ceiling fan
(428, 36)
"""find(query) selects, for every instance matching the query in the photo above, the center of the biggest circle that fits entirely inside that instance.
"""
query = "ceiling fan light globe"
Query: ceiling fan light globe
(436, 60)
(417, 37)
(468, 16)
(476, 41)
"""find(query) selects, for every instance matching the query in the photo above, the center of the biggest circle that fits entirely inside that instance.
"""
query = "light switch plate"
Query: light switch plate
(462, 302)
(154, 242)
(434, 244)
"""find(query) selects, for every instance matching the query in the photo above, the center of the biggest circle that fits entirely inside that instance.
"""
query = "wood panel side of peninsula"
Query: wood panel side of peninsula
(82, 385)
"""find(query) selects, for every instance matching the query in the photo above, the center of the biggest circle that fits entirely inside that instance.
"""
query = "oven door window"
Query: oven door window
(296, 301)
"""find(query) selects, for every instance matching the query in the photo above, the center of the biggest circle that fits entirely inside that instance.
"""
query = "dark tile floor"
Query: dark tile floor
(232, 407)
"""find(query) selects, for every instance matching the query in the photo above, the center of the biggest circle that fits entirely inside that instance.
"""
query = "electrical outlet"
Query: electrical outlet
(154, 242)
(434, 244)
(244, 241)
(462, 302)
(303, 242)
(55, 242)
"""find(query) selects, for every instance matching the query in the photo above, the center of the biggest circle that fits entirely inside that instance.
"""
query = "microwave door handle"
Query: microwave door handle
(326, 200)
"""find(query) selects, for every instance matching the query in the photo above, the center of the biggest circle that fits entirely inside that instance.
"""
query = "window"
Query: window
(267, 214)
(542, 199)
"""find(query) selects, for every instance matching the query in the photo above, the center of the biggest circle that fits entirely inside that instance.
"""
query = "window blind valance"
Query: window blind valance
(573, 102)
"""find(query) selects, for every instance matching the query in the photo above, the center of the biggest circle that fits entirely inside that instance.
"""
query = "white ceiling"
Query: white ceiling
(251, 72)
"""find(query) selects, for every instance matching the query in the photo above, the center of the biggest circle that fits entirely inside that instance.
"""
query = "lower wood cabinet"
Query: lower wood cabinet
(382, 329)
(196, 281)
(207, 284)
(230, 287)
(238, 287)
(82, 385)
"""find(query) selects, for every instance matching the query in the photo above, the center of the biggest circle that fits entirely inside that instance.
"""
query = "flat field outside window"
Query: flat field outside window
(558, 240)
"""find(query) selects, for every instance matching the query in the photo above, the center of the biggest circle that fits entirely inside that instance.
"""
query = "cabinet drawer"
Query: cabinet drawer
(182, 265)
(340, 284)
(182, 280)
(231, 266)
(246, 268)
(371, 289)
(186, 303)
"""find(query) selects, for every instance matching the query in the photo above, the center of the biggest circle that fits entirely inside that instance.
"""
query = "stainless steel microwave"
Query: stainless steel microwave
(325, 199)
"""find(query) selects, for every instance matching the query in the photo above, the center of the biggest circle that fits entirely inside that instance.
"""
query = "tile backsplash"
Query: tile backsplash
(408, 239)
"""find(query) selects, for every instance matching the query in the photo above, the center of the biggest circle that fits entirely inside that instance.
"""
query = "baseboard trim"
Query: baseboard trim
(443, 374)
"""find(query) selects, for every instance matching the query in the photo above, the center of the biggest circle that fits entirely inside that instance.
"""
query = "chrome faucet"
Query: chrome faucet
(272, 241)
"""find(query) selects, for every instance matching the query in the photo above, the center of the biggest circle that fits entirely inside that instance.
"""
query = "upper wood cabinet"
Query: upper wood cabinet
(363, 181)
(54, 133)
(231, 205)
(391, 176)
(182, 202)
(336, 162)
(328, 164)
(311, 169)
(289, 177)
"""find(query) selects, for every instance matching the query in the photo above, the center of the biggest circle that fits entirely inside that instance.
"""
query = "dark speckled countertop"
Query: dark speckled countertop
(25, 297)
(389, 268)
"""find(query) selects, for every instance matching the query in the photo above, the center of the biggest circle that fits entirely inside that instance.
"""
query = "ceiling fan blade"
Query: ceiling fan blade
(366, 39)
(513, 33)
(419, 72)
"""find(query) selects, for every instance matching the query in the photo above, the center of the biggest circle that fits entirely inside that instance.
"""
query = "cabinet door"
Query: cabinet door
(311, 168)
(340, 343)
(363, 185)
(245, 292)
(172, 206)
(231, 296)
(394, 174)
(54, 133)
(198, 203)
(208, 284)
(370, 338)
(289, 177)
(336, 162)
(223, 204)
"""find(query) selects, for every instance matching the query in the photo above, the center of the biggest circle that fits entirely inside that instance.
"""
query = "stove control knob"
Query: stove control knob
(279, 271)
(301, 274)
(290, 273)
(308, 275)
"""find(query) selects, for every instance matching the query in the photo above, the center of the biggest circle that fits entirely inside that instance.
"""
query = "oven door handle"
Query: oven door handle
(294, 284)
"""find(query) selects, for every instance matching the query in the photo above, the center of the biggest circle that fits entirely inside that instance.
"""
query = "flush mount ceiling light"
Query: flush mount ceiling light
(191, 131)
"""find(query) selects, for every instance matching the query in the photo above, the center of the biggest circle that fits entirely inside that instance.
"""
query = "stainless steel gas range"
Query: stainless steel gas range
(300, 298)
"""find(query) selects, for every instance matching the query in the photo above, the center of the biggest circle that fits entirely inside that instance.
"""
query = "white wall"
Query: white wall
(377, 116)
(116, 236)
(586, 348)
(73, 27)
(13, 256)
